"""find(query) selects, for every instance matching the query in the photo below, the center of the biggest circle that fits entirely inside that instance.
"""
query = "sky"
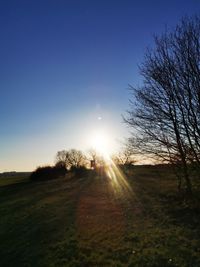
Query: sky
(65, 67)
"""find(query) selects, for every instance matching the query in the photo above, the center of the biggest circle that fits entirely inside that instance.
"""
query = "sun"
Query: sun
(101, 142)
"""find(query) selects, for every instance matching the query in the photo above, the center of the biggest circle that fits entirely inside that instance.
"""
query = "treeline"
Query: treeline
(79, 164)
(66, 161)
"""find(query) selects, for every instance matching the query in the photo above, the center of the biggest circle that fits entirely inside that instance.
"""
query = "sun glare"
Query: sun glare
(100, 141)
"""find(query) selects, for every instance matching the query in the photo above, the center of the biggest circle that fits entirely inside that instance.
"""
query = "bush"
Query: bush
(79, 171)
(48, 173)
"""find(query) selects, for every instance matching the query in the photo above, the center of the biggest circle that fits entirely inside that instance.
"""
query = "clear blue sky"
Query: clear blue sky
(65, 63)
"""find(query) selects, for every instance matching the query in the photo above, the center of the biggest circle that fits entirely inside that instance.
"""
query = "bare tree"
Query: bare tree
(76, 158)
(71, 158)
(165, 110)
(95, 157)
(62, 158)
(125, 156)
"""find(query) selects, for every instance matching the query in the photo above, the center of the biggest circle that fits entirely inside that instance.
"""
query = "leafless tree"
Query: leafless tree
(125, 156)
(93, 155)
(62, 158)
(96, 157)
(71, 158)
(165, 110)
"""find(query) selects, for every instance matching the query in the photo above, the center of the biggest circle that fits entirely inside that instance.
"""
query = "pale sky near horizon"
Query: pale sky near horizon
(64, 71)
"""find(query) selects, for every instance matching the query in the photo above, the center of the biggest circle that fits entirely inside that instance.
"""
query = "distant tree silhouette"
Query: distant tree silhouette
(165, 110)
(94, 156)
(125, 157)
(72, 158)
(62, 158)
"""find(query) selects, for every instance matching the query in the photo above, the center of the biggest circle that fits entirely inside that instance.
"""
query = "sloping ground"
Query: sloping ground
(98, 222)
(102, 223)
(37, 222)
(99, 218)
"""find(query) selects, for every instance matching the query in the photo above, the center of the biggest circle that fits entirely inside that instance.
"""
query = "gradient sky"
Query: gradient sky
(65, 63)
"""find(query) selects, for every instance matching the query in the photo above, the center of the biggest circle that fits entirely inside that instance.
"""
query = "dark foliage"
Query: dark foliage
(80, 171)
(48, 173)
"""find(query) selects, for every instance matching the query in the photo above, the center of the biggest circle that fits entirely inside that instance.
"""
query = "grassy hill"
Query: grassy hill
(92, 222)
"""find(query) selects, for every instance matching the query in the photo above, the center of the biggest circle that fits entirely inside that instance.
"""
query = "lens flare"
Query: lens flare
(100, 141)
(118, 180)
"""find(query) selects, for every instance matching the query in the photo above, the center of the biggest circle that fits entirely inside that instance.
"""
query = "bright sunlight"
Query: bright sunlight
(101, 141)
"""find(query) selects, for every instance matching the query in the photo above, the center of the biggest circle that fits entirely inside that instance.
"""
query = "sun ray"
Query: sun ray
(118, 180)
(100, 141)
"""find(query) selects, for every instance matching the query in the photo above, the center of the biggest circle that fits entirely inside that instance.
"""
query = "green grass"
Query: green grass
(8, 180)
(85, 222)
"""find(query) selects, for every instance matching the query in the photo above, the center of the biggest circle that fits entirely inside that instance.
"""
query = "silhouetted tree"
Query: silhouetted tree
(125, 157)
(71, 158)
(165, 110)
(62, 157)
(96, 157)
(76, 158)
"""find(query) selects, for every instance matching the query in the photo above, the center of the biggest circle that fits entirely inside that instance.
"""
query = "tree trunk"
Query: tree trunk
(187, 180)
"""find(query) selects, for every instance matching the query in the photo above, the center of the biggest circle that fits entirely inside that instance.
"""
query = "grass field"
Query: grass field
(89, 222)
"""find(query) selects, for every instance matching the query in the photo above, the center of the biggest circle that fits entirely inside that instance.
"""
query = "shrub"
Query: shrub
(48, 173)
(79, 171)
